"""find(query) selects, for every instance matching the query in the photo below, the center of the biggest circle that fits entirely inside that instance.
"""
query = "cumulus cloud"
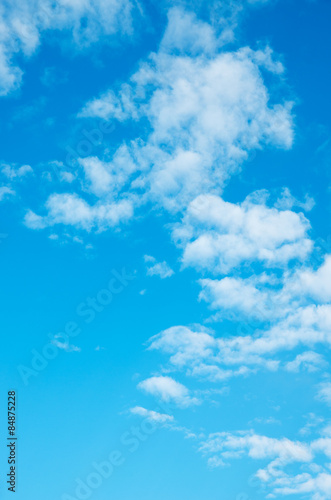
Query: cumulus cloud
(209, 107)
(217, 235)
(203, 111)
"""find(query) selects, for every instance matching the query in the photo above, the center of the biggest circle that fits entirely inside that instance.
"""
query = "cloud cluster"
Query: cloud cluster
(312, 478)
(209, 107)
(272, 317)
(203, 110)
(23, 23)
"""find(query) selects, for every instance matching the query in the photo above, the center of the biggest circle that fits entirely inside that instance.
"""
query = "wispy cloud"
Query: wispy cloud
(152, 415)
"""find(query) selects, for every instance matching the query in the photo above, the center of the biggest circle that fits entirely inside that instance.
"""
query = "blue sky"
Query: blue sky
(166, 251)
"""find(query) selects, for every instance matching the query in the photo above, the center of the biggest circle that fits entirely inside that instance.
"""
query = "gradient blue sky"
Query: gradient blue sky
(185, 147)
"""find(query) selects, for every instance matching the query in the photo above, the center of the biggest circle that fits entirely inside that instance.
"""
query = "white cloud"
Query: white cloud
(188, 35)
(304, 484)
(318, 283)
(71, 210)
(218, 235)
(184, 345)
(287, 201)
(203, 112)
(12, 171)
(160, 269)
(14, 174)
(108, 177)
(233, 294)
(5, 191)
(210, 108)
(309, 360)
(222, 447)
(206, 357)
(229, 445)
(66, 346)
(168, 390)
(203, 355)
(152, 415)
(24, 23)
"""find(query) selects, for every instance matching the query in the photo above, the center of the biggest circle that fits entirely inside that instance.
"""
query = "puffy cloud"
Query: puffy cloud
(206, 110)
(107, 178)
(218, 235)
(203, 111)
(318, 283)
(168, 390)
(188, 35)
(155, 268)
(203, 355)
(184, 344)
(24, 24)
(234, 294)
